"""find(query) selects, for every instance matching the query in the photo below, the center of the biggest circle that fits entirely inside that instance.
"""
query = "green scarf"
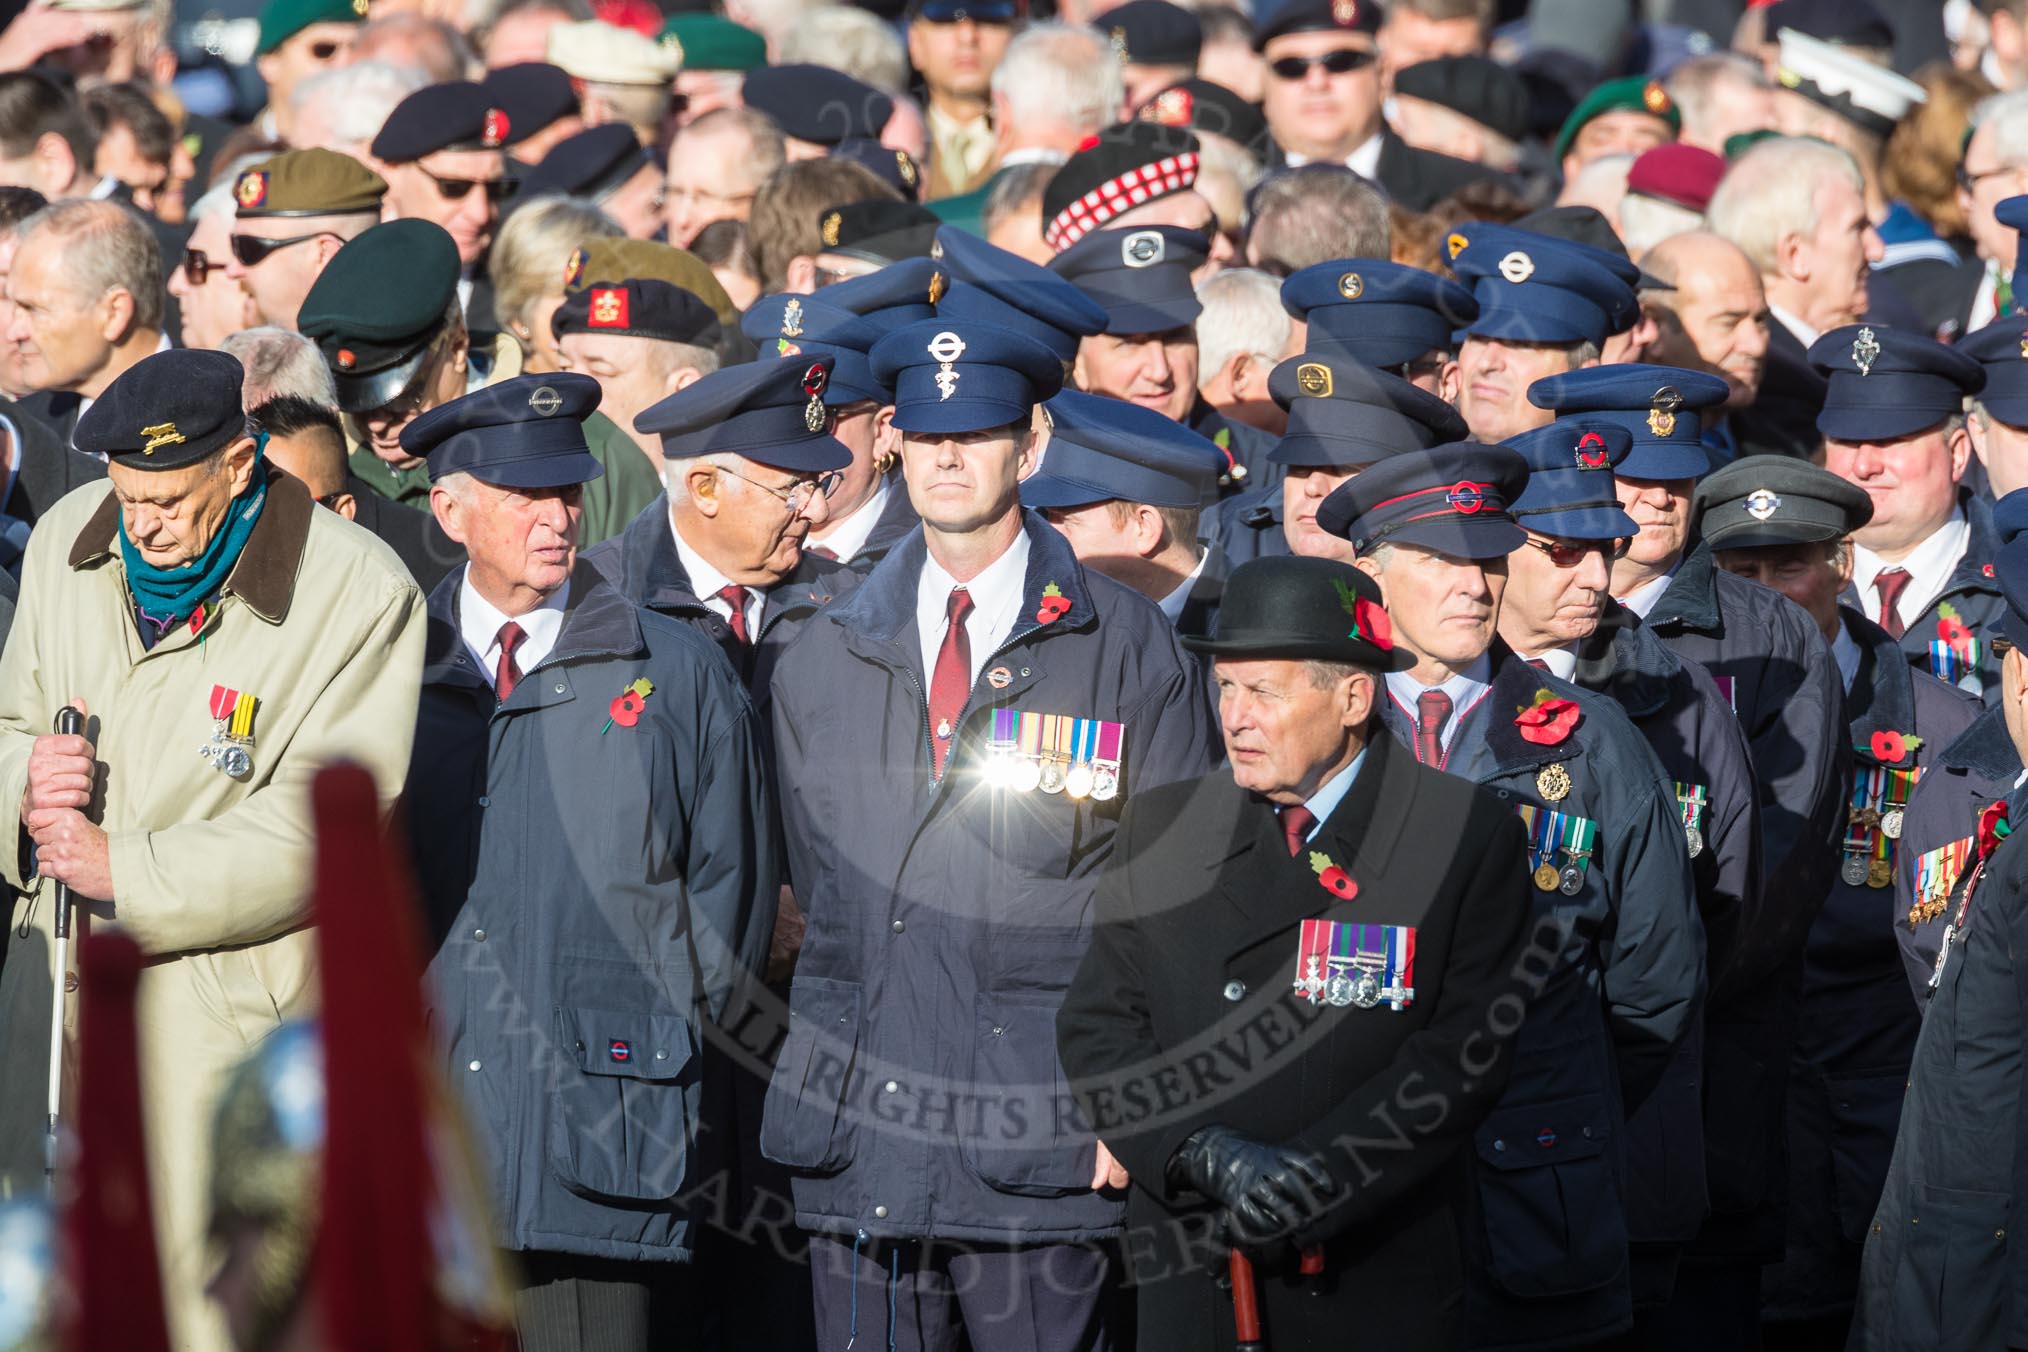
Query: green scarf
(168, 596)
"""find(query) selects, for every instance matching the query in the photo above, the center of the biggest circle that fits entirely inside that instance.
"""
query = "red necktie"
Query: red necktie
(1432, 711)
(734, 595)
(823, 552)
(951, 683)
(1296, 823)
(507, 675)
(1890, 583)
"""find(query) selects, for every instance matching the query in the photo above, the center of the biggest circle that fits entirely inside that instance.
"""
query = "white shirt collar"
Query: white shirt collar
(996, 604)
(1930, 565)
(1365, 161)
(1562, 662)
(1642, 599)
(1985, 300)
(846, 539)
(1172, 604)
(1466, 689)
(1845, 652)
(1332, 792)
(479, 622)
(706, 582)
(1803, 332)
(1032, 155)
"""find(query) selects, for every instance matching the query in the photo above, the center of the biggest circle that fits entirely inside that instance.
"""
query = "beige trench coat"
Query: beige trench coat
(322, 625)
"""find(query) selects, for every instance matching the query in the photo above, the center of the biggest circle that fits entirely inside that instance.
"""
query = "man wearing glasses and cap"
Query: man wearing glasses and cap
(291, 216)
(594, 845)
(443, 148)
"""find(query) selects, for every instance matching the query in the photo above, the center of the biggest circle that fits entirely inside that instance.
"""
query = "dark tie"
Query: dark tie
(1432, 711)
(951, 683)
(822, 552)
(1538, 664)
(1296, 823)
(1891, 583)
(734, 595)
(508, 674)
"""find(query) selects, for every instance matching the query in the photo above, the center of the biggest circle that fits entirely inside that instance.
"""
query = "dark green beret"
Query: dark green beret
(308, 183)
(283, 19)
(1633, 94)
(377, 305)
(713, 42)
(1772, 501)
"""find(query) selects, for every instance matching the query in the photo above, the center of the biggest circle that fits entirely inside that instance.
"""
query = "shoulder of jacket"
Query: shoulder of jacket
(346, 556)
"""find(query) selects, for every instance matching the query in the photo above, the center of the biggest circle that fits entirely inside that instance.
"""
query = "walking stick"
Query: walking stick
(69, 723)
(1246, 1300)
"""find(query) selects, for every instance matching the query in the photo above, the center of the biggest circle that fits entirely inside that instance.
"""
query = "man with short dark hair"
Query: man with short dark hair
(955, 48)
(47, 145)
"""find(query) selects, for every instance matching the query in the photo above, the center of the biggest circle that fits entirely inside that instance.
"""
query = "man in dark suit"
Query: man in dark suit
(39, 469)
(1273, 911)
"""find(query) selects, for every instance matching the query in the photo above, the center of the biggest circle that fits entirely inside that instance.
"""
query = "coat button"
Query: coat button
(890, 1087)
(898, 927)
(559, 687)
(1235, 991)
(1499, 1145)
(484, 801)
(70, 982)
(479, 936)
(998, 1029)
(473, 1066)
(880, 1213)
(661, 1055)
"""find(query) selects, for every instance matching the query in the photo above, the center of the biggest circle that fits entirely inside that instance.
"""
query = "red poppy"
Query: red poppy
(1952, 630)
(1054, 604)
(1547, 722)
(1331, 878)
(1889, 746)
(1373, 624)
(626, 708)
(1993, 827)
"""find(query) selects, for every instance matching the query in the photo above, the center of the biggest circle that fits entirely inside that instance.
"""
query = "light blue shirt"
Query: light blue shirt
(1332, 792)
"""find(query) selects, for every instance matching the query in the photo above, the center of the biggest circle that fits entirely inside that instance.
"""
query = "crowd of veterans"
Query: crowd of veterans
(992, 677)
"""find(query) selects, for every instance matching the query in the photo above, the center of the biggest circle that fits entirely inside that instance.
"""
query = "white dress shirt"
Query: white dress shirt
(1330, 793)
(997, 594)
(1466, 689)
(1365, 161)
(1845, 652)
(1803, 332)
(1642, 599)
(706, 581)
(1930, 565)
(846, 539)
(479, 623)
(1172, 604)
(1562, 662)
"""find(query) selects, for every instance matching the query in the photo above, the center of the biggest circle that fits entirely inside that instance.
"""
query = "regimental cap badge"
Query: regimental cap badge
(2024, 344)
(545, 401)
(1662, 406)
(1467, 498)
(251, 190)
(493, 131)
(1345, 13)
(1454, 243)
(347, 359)
(944, 349)
(832, 220)
(814, 382)
(1517, 267)
(573, 267)
(1314, 379)
(1142, 249)
(1118, 40)
(609, 307)
(1865, 351)
(792, 319)
(1762, 503)
(1351, 286)
(905, 166)
(1592, 453)
(1171, 108)
(936, 287)
(1655, 98)
(936, 248)
(160, 435)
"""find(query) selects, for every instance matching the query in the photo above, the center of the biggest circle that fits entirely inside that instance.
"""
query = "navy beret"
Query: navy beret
(1476, 87)
(2002, 348)
(1209, 110)
(1140, 277)
(895, 295)
(1344, 414)
(593, 163)
(771, 412)
(1152, 33)
(1452, 499)
(1570, 491)
(817, 104)
(1294, 607)
(1888, 383)
(1105, 449)
(1127, 165)
(980, 283)
(1769, 501)
(533, 94)
(789, 326)
(639, 308)
(950, 375)
(1314, 16)
(525, 432)
(1378, 312)
(877, 231)
(167, 410)
(1661, 405)
(1537, 289)
(458, 115)
(896, 168)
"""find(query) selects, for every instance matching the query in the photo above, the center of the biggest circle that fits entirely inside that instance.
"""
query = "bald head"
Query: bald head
(1716, 319)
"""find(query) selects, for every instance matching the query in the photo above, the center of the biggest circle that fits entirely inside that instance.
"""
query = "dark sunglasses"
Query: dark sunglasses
(197, 265)
(251, 249)
(454, 189)
(1341, 62)
(1569, 553)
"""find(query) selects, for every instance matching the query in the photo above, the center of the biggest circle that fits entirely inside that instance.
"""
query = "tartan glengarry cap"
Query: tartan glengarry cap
(1114, 171)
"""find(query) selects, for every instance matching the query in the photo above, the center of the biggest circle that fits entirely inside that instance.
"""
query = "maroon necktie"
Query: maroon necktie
(1432, 711)
(951, 683)
(734, 595)
(822, 552)
(507, 675)
(1296, 823)
(1890, 583)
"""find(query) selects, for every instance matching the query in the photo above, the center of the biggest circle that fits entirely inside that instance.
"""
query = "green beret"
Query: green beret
(1634, 94)
(311, 182)
(283, 19)
(1740, 142)
(604, 259)
(713, 42)
(377, 305)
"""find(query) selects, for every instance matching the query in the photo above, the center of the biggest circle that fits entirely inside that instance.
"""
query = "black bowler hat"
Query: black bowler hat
(1453, 499)
(166, 411)
(767, 411)
(638, 308)
(1300, 608)
(526, 432)
(1769, 501)
(1888, 383)
(378, 305)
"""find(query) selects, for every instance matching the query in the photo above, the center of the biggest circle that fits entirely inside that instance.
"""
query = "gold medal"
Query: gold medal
(1553, 783)
(1547, 879)
(1880, 873)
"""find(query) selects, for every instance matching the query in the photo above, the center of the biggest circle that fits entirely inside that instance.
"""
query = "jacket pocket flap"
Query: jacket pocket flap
(1550, 1133)
(633, 1045)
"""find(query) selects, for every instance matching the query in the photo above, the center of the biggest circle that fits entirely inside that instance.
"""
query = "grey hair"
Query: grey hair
(1699, 84)
(1312, 215)
(1647, 221)
(358, 97)
(107, 247)
(1771, 192)
(851, 40)
(2008, 114)
(676, 473)
(1013, 190)
(1242, 313)
(1060, 75)
(1323, 675)
(281, 363)
(765, 151)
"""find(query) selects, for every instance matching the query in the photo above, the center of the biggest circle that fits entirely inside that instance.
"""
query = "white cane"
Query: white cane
(69, 723)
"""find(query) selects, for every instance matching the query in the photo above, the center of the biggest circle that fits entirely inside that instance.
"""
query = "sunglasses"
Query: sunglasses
(1569, 554)
(197, 265)
(454, 189)
(251, 249)
(1341, 62)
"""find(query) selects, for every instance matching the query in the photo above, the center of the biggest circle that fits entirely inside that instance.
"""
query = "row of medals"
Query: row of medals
(1363, 990)
(230, 756)
(1859, 868)
(1552, 782)
(1099, 780)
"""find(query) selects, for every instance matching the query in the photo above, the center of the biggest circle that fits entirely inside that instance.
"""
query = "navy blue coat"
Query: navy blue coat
(1246, 444)
(1247, 526)
(1620, 966)
(594, 895)
(919, 1093)
(1977, 768)
(1972, 593)
(1857, 1032)
(897, 519)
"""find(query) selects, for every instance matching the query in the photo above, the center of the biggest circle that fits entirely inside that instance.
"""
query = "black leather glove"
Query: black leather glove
(1268, 1191)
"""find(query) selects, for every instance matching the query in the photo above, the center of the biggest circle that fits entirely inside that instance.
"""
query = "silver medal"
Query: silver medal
(1338, 991)
(1572, 881)
(1695, 839)
(1024, 775)
(1890, 823)
(1079, 780)
(1853, 870)
(1366, 990)
(1105, 782)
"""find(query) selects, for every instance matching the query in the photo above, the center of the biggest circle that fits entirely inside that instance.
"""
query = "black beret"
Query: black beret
(879, 232)
(1120, 168)
(167, 410)
(1769, 501)
(896, 168)
(638, 307)
(590, 164)
(377, 305)
(1209, 110)
(817, 104)
(533, 94)
(1152, 33)
(1473, 86)
(1315, 16)
(459, 115)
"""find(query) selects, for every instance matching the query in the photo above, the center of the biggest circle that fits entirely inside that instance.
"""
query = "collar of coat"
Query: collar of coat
(1691, 598)
(1360, 835)
(883, 606)
(1623, 659)
(1985, 749)
(1882, 697)
(1974, 572)
(1513, 689)
(264, 577)
(598, 622)
(652, 569)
